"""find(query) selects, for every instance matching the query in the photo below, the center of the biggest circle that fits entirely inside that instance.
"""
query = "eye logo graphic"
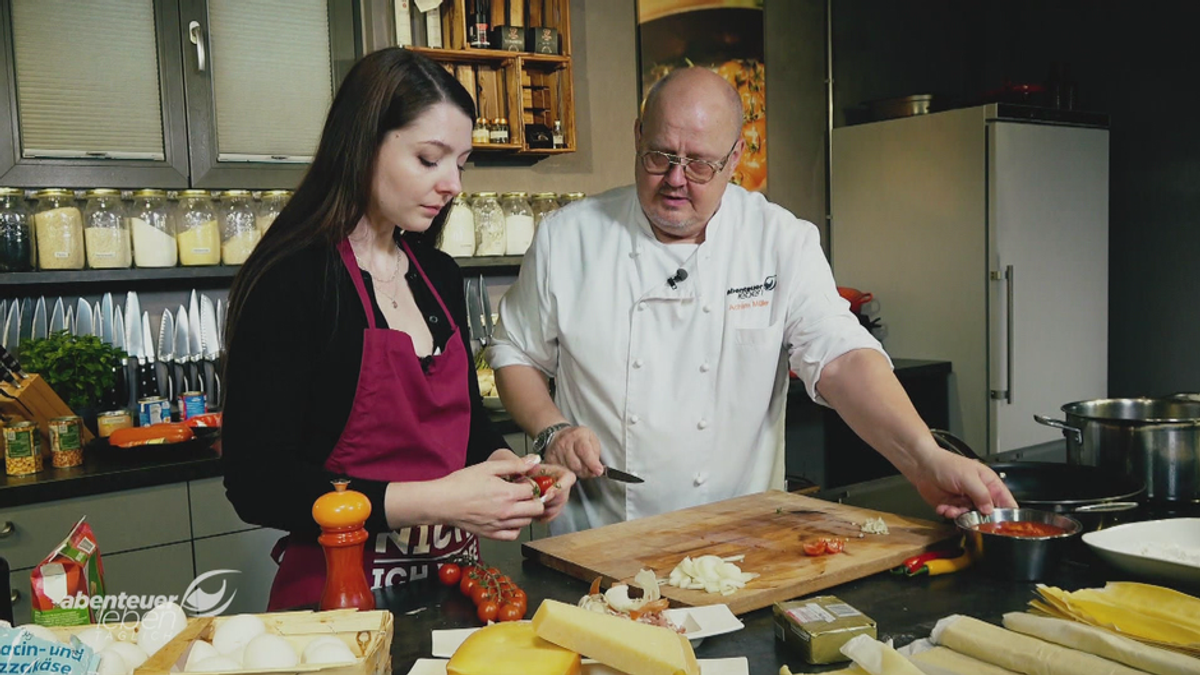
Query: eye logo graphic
(769, 284)
(198, 602)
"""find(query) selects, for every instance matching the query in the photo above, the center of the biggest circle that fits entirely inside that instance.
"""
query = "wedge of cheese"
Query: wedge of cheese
(511, 648)
(628, 646)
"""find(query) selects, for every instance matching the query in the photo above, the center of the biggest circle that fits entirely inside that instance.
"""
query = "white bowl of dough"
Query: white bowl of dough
(1164, 551)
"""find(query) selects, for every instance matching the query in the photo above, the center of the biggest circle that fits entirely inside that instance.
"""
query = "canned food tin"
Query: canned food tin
(22, 449)
(191, 404)
(153, 410)
(66, 441)
(108, 422)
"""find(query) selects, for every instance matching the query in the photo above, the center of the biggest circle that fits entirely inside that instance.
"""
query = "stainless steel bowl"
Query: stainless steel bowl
(1020, 558)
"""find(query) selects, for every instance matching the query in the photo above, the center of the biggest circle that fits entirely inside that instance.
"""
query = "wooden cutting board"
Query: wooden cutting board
(769, 528)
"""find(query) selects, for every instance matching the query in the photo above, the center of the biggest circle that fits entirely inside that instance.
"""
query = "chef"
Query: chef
(668, 314)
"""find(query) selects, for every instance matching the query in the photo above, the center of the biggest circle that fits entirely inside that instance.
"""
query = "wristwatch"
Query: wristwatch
(545, 436)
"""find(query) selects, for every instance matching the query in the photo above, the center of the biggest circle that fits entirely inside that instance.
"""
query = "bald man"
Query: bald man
(668, 314)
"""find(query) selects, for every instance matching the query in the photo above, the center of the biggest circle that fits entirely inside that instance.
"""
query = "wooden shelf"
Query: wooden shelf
(497, 147)
(471, 55)
(493, 263)
(546, 151)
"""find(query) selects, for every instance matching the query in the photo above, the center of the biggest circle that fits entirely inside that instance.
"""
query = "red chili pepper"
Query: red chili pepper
(916, 564)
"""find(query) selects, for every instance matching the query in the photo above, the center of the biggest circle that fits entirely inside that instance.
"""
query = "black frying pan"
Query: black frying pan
(1090, 494)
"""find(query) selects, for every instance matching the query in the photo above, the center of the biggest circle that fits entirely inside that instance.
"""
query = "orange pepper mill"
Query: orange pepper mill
(341, 515)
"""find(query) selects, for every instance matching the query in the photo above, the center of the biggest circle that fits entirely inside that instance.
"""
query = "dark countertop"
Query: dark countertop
(113, 470)
(903, 608)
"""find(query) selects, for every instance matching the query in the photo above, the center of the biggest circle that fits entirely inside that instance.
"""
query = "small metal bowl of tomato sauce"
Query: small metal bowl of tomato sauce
(1021, 544)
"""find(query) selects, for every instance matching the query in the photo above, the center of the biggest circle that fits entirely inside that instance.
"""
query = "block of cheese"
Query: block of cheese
(511, 648)
(628, 646)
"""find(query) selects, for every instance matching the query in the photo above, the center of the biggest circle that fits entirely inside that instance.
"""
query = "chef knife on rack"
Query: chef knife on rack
(58, 317)
(39, 324)
(486, 302)
(166, 352)
(83, 318)
(11, 364)
(195, 343)
(96, 319)
(212, 350)
(180, 350)
(147, 370)
(11, 338)
(122, 393)
(105, 320)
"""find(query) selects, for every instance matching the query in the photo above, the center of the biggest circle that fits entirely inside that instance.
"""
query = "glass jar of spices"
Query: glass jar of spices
(153, 227)
(58, 226)
(568, 197)
(480, 134)
(518, 223)
(199, 235)
(18, 252)
(543, 203)
(105, 232)
(239, 231)
(489, 224)
(271, 206)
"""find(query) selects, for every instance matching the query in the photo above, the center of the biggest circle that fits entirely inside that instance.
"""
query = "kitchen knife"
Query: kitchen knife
(83, 319)
(621, 476)
(38, 325)
(212, 349)
(221, 325)
(12, 326)
(96, 319)
(58, 317)
(106, 319)
(195, 344)
(486, 301)
(180, 348)
(10, 362)
(26, 319)
(7, 376)
(3, 311)
(166, 351)
(147, 371)
(134, 345)
(70, 322)
(475, 324)
(120, 393)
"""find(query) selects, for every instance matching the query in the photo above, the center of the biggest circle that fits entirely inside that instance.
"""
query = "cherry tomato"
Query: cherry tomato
(487, 611)
(518, 595)
(814, 548)
(544, 483)
(468, 584)
(450, 574)
(481, 594)
(494, 571)
(835, 545)
(511, 612)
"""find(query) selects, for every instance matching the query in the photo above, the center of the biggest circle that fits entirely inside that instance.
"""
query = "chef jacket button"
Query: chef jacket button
(702, 424)
(707, 309)
(633, 419)
(637, 363)
(641, 306)
(704, 367)
(699, 480)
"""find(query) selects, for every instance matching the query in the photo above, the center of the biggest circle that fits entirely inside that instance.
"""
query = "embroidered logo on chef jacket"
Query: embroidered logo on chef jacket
(747, 297)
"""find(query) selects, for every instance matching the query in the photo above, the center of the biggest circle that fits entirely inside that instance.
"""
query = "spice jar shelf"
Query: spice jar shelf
(10, 280)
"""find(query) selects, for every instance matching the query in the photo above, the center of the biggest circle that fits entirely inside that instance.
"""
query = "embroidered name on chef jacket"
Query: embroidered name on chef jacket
(746, 297)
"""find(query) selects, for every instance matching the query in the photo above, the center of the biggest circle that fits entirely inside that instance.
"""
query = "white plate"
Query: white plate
(1125, 547)
(697, 623)
(734, 666)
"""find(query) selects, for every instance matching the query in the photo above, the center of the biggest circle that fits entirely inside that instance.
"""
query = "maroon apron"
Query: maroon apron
(407, 423)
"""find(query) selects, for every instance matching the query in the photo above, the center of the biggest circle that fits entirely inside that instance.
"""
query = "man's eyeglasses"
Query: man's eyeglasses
(699, 171)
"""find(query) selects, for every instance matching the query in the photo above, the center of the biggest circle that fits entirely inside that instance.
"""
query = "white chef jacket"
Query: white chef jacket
(685, 386)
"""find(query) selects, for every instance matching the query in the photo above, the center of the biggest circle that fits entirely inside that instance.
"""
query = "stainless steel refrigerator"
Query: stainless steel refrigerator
(983, 232)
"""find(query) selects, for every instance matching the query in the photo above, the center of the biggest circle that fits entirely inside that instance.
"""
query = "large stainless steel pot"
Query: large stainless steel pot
(1154, 439)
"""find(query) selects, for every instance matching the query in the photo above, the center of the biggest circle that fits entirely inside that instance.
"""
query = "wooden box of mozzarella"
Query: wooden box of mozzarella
(367, 636)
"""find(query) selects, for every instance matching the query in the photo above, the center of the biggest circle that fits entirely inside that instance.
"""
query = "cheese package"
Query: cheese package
(511, 649)
(817, 628)
(628, 646)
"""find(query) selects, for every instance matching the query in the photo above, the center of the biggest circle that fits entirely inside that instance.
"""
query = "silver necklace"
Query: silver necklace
(379, 284)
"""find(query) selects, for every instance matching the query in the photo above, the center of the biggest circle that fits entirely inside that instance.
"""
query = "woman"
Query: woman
(348, 354)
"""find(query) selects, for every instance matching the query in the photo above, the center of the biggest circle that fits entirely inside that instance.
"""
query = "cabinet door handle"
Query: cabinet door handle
(197, 38)
(7, 529)
(14, 597)
(1006, 394)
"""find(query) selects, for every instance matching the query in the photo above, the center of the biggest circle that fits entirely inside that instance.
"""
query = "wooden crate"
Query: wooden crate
(34, 400)
(367, 634)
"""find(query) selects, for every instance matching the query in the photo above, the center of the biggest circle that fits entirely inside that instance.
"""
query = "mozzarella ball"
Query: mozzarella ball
(236, 631)
(329, 653)
(269, 651)
(217, 664)
(199, 651)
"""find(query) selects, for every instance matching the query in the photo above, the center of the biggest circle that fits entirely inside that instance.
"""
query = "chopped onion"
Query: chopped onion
(710, 573)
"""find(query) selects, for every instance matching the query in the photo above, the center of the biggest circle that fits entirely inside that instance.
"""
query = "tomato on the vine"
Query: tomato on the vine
(511, 612)
(544, 483)
(450, 574)
(468, 583)
(488, 611)
(481, 594)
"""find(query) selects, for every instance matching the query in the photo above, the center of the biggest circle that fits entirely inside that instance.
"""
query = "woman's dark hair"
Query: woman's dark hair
(385, 91)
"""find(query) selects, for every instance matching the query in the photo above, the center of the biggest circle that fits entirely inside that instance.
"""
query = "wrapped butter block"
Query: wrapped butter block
(816, 628)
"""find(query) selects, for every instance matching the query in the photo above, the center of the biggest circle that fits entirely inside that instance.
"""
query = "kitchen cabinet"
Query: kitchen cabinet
(248, 553)
(983, 232)
(532, 88)
(206, 73)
